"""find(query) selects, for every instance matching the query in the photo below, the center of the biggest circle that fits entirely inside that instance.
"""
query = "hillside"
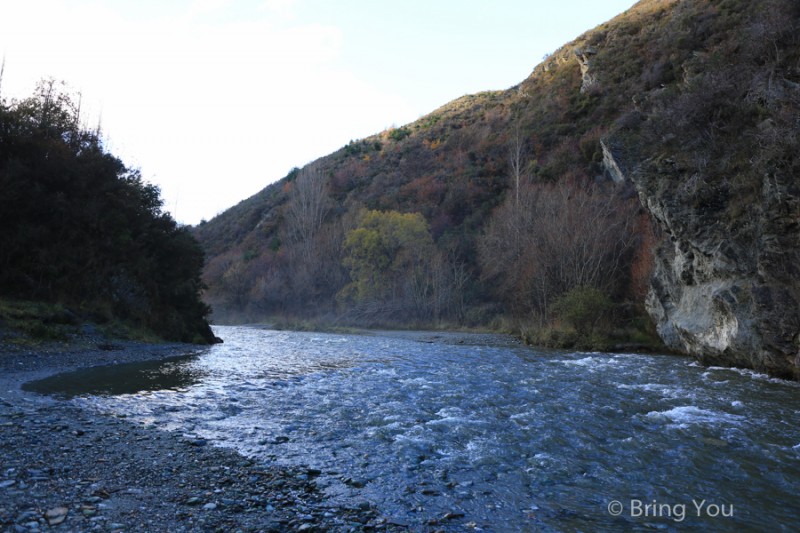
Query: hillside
(83, 238)
(647, 168)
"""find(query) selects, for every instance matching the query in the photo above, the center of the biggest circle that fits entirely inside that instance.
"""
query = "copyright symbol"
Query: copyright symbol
(615, 508)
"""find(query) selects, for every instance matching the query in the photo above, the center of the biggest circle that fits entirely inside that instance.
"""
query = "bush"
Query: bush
(398, 134)
(583, 308)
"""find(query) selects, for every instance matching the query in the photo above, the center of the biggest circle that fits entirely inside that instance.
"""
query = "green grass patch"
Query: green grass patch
(24, 322)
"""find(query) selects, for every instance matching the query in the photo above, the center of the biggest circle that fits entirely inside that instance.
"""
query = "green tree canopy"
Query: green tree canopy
(79, 228)
(384, 254)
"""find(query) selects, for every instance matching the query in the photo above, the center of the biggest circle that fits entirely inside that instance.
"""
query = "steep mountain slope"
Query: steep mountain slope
(721, 175)
(692, 104)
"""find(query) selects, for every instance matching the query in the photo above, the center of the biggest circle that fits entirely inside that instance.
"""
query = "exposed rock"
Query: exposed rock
(584, 56)
(726, 287)
(610, 163)
(56, 515)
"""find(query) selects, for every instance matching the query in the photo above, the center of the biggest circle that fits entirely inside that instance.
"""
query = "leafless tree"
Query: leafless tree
(236, 283)
(448, 279)
(584, 232)
(518, 161)
(570, 236)
(2, 71)
(307, 209)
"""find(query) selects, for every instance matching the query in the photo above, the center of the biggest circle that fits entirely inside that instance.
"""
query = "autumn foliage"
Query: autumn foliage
(513, 187)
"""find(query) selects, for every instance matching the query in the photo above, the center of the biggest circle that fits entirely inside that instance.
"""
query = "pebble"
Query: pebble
(82, 471)
(56, 515)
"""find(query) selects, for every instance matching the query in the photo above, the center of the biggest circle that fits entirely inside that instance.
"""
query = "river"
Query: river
(493, 435)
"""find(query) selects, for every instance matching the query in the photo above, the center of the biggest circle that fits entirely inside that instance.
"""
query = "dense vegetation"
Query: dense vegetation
(521, 210)
(79, 229)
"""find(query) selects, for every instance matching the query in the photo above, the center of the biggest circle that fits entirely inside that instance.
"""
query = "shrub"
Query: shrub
(398, 134)
(583, 308)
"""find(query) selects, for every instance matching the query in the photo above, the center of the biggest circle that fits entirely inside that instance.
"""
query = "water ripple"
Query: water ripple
(515, 439)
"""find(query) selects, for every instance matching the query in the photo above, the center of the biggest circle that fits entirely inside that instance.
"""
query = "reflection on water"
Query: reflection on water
(130, 378)
(513, 438)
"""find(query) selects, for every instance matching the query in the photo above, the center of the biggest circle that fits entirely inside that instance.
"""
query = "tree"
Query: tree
(2, 72)
(306, 210)
(570, 236)
(518, 162)
(313, 247)
(388, 255)
(79, 228)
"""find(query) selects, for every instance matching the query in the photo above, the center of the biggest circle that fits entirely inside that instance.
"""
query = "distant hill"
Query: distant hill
(647, 168)
(81, 231)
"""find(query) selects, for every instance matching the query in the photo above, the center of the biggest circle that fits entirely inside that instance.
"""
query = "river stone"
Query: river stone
(56, 515)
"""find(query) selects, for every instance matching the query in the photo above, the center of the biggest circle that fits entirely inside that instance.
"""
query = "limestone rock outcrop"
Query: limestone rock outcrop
(726, 287)
(610, 163)
(584, 56)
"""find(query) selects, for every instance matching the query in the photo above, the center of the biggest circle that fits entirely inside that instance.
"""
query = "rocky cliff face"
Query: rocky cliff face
(726, 288)
(711, 147)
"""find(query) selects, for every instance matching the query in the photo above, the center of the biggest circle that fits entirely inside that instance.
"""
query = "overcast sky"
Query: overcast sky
(215, 99)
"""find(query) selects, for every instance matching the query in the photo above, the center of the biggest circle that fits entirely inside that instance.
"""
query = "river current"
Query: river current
(493, 435)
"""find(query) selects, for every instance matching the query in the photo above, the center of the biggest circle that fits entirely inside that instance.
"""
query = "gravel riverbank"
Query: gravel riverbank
(65, 469)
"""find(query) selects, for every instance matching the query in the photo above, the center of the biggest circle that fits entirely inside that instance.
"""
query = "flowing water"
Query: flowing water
(513, 438)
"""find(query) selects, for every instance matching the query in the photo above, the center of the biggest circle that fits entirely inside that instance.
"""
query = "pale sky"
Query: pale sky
(215, 99)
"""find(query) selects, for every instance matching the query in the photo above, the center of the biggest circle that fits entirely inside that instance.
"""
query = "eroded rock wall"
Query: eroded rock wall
(726, 287)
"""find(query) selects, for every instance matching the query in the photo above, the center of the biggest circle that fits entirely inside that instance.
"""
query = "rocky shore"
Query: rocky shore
(65, 469)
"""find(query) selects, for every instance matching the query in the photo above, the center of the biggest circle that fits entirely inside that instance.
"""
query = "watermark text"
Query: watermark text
(677, 512)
